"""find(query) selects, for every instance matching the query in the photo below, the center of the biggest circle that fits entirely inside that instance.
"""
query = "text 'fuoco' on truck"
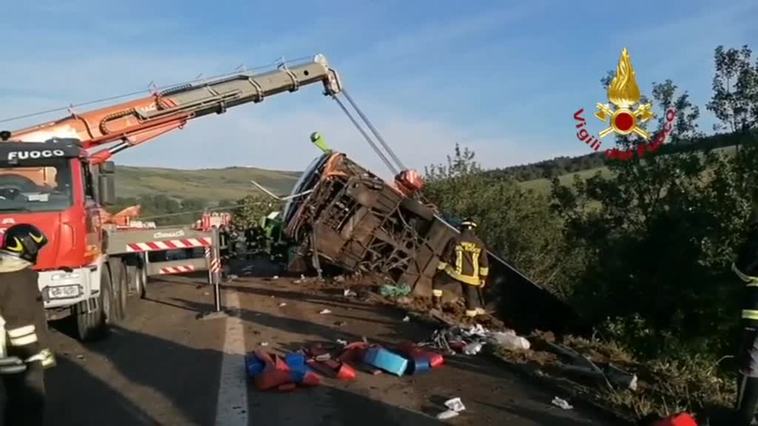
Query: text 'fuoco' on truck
(57, 176)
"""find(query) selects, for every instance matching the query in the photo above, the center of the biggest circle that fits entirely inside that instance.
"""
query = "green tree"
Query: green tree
(252, 208)
(735, 89)
(686, 128)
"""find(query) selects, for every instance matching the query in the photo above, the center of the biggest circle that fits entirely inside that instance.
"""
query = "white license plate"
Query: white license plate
(63, 291)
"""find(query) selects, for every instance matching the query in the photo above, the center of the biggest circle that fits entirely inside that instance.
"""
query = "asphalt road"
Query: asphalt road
(164, 366)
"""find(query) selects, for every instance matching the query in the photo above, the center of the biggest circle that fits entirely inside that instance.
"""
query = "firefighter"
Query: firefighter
(746, 268)
(464, 261)
(23, 352)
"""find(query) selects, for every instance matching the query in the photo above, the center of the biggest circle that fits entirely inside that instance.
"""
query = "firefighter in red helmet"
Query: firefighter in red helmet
(23, 352)
(464, 261)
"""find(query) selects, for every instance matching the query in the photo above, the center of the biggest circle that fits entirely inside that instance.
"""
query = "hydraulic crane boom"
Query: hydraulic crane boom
(137, 121)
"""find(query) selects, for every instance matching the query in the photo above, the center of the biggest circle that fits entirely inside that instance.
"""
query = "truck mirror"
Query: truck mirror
(106, 190)
(108, 167)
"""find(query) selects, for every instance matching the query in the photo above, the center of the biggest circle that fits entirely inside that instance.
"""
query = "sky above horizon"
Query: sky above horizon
(500, 77)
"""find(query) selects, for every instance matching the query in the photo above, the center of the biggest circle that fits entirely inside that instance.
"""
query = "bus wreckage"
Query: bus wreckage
(343, 215)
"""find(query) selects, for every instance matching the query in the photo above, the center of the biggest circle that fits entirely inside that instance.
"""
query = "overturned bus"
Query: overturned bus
(344, 215)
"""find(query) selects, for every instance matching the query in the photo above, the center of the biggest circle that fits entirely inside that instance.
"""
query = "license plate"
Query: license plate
(63, 291)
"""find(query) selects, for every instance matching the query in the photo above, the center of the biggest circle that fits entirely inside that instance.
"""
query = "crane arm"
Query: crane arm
(137, 121)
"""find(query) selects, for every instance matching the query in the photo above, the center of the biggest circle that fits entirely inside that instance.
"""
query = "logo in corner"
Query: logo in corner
(624, 115)
(624, 94)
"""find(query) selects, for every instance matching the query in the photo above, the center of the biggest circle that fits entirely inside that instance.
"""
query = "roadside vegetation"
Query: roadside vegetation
(642, 248)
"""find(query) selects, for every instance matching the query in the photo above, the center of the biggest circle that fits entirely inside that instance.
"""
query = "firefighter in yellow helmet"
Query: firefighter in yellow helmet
(464, 261)
(23, 352)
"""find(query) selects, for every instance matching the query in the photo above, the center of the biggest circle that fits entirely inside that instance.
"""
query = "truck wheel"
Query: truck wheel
(94, 325)
(416, 208)
(120, 290)
(142, 281)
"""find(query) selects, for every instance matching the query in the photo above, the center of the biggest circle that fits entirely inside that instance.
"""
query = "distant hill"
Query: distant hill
(209, 185)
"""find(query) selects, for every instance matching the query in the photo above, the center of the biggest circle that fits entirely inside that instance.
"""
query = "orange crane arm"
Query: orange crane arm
(137, 121)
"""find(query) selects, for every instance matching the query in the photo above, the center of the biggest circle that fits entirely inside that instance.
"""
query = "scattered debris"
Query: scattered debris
(394, 291)
(270, 371)
(325, 312)
(300, 280)
(233, 277)
(349, 293)
(80, 356)
(455, 404)
(385, 360)
(582, 365)
(454, 408)
(447, 414)
(283, 304)
(407, 319)
(263, 343)
(275, 277)
(342, 342)
(509, 340)
(405, 300)
(340, 323)
(562, 403)
(473, 348)
(339, 278)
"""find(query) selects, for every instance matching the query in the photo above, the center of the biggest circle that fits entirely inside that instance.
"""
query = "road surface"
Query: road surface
(164, 366)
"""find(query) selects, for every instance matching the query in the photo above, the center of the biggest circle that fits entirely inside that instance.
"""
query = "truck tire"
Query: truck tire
(93, 325)
(412, 206)
(142, 281)
(120, 288)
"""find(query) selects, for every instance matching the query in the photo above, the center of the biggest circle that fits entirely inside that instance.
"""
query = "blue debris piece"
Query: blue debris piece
(253, 365)
(418, 365)
(385, 360)
(298, 369)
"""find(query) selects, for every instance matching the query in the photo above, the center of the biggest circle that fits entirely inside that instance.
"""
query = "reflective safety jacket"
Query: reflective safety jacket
(465, 259)
(22, 323)
(746, 268)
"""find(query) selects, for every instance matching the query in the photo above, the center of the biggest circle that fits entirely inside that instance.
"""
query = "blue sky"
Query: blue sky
(501, 77)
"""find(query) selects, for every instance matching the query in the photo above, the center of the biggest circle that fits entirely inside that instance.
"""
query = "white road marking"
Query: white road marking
(231, 407)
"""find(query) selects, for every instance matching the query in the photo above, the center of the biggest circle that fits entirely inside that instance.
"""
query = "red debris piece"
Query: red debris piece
(681, 419)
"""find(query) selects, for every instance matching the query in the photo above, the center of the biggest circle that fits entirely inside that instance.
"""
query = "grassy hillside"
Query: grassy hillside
(211, 185)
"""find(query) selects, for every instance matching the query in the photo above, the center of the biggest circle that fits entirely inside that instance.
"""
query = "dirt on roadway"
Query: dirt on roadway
(164, 366)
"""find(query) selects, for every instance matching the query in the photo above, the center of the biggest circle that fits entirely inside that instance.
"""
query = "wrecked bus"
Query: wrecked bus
(344, 215)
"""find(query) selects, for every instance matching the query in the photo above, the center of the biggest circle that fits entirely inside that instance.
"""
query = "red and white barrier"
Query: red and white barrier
(168, 244)
(177, 269)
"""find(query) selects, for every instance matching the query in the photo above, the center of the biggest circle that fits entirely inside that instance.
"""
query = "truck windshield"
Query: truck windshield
(32, 186)
(306, 179)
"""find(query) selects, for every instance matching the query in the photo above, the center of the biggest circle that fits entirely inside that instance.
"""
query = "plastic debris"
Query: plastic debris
(394, 291)
(455, 404)
(390, 362)
(263, 343)
(509, 340)
(325, 312)
(407, 319)
(447, 414)
(275, 277)
(342, 342)
(339, 278)
(562, 403)
(349, 293)
(283, 304)
(473, 348)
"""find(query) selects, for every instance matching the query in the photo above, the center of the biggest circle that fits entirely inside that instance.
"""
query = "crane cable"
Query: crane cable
(365, 135)
(374, 131)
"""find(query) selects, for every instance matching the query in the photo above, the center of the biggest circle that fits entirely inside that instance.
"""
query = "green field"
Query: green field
(543, 185)
(210, 185)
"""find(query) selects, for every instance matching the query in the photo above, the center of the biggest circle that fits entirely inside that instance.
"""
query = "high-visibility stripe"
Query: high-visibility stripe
(21, 331)
(442, 265)
(749, 280)
(750, 314)
(45, 357)
(437, 293)
(23, 341)
(468, 279)
(484, 271)
(12, 369)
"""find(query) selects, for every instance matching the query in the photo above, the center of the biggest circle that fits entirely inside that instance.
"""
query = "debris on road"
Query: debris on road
(562, 403)
(454, 408)
(263, 343)
(283, 304)
(325, 312)
(270, 371)
(349, 293)
(385, 360)
(340, 323)
(342, 342)
(406, 319)
(394, 291)
(509, 340)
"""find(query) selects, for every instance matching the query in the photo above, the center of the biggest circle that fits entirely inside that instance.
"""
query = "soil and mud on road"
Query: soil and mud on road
(165, 366)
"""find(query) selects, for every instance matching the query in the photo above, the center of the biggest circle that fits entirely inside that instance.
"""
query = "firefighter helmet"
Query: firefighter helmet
(23, 241)
(468, 223)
